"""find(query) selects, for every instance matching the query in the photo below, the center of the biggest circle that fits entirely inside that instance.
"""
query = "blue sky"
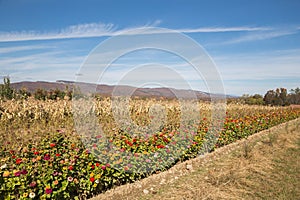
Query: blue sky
(254, 44)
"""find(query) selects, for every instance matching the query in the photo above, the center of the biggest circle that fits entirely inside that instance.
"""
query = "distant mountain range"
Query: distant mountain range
(108, 90)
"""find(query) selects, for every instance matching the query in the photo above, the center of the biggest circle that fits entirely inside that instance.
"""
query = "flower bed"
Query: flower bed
(61, 167)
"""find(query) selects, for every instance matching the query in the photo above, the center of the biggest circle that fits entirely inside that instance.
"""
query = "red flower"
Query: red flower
(160, 146)
(52, 145)
(17, 173)
(92, 179)
(57, 154)
(166, 140)
(47, 157)
(18, 161)
(97, 164)
(103, 167)
(48, 191)
(13, 157)
(93, 167)
(36, 153)
(128, 142)
(70, 167)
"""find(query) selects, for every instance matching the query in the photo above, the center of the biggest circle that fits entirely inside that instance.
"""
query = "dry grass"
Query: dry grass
(265, 166)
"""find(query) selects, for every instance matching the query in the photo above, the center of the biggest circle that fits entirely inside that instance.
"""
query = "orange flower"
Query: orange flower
(6, 174)
(76, 180)
(55, 182)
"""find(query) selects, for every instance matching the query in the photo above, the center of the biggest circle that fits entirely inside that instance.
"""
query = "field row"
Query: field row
(44, 154)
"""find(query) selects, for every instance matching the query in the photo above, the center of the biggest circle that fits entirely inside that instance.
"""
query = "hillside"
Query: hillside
(107, 90)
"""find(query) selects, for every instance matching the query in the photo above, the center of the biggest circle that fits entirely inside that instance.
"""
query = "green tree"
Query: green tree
(279, 97)
(23, 93)
(40, 94)
(270, 97)
(294, 96)
(255, 99)
(5, 89)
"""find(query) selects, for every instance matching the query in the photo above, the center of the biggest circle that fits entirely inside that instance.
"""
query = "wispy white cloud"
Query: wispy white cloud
(262, 35)
(6, 50)
(75, 31)
(101, 29)
(224, 29)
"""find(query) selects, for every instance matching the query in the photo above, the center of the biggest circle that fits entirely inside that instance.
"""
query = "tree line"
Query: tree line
(8, 93)
(277, 97)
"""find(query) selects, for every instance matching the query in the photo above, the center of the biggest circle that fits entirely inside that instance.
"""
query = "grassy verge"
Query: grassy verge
(262, 167)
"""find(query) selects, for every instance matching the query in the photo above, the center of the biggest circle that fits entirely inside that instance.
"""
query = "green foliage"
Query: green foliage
(23, 94)
(40, 94)
(6, 92)
(256, 99)
(56, 94)
(278, 97)
(294, 96)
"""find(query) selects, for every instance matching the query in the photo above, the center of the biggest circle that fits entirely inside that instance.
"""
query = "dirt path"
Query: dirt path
(264, 166)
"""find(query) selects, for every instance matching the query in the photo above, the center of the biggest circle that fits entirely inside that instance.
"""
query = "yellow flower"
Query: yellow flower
(98, 176)
(65, 168)
(90, 164)
(92, 175)
(48, 187)
(6, 174)
(25, 194)
(95, 185)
